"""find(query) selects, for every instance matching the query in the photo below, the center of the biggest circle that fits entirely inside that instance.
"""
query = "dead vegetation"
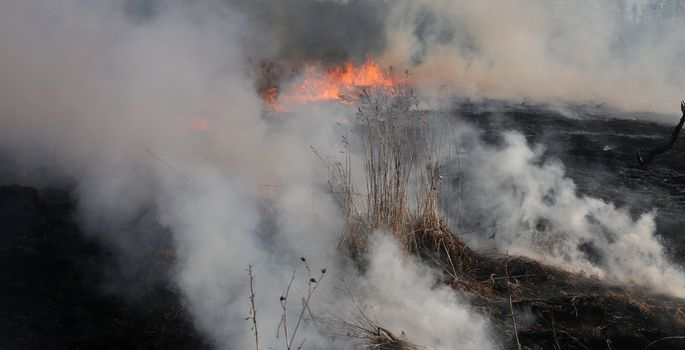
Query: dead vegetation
(372, 336)
(401, 167)
(403, 149)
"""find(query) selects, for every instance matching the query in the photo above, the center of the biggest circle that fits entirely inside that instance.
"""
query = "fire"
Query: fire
(271, 97)
(341, 84)
(200, 124)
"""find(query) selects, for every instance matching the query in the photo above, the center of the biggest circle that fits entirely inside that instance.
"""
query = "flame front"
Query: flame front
(341, 84)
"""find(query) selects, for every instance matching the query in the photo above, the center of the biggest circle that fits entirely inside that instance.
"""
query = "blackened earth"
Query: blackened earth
(54, 276)
(53, 285)
(597, 146)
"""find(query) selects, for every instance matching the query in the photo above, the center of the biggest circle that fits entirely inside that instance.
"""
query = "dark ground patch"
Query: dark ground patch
(597, 146)
(52, 278)
(553, 308)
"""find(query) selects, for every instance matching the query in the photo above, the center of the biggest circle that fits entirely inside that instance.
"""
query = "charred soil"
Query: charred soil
(52, 294)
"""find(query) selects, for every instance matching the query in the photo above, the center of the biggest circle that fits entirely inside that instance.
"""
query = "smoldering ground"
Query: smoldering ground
(111, 95)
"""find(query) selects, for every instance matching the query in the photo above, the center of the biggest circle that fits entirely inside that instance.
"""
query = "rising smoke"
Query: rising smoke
(149, 107)
(532, 49)
(527, 206)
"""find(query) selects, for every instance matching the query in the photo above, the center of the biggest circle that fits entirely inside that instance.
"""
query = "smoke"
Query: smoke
(148, 106)
(332, 31)
(526, 206)
(542, 50)
(404, 295)
(555, 50)
(534, 49)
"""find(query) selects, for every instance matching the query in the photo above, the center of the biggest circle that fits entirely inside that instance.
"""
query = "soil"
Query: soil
(598, 147)
(52, 294)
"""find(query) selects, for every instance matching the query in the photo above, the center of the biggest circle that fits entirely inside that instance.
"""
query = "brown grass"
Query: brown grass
(401, 168)
(403, 153)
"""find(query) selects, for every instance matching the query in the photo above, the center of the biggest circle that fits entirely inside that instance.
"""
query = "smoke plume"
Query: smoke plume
(527, 206)
(151, 109)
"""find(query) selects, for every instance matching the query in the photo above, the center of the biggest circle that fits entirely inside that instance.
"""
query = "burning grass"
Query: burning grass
(319, 82)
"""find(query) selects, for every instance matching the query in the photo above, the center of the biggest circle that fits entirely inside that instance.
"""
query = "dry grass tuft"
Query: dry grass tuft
(402, 175)
(369, 334)
(382, 339)
(373, 336)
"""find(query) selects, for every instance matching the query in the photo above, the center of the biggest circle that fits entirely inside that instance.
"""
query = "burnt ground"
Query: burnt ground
(597, 146)
(52, 290)
(554, 309)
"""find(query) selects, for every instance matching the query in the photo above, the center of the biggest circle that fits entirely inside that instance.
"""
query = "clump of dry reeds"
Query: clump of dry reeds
(403, 148)
(401, 158)
(367, 331)
(373, 336)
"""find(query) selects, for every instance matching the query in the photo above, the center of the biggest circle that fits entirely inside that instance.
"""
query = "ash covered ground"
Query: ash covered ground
(56, 279)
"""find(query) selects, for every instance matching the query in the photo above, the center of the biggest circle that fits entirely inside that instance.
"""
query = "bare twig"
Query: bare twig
(554, 332)
(283, 324)
(664, 338)
(511, 306)
(253, 309)
(514, 276)
(578, 341)
(166, 164)
(312, 285)
(284, 316)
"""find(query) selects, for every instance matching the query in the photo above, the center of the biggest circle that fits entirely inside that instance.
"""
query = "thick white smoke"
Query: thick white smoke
(539, 49)
(155, 113)
(156, 117)
(404, 295)
(527, 206)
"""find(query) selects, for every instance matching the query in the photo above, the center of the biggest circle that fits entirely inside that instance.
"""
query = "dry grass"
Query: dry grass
(373, 336)
(404, 147)
(401, 166)
(402, 154)
(368, 332)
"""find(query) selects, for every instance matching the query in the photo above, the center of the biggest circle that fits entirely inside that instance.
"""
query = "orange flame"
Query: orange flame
(200, 124)
(341, 84)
